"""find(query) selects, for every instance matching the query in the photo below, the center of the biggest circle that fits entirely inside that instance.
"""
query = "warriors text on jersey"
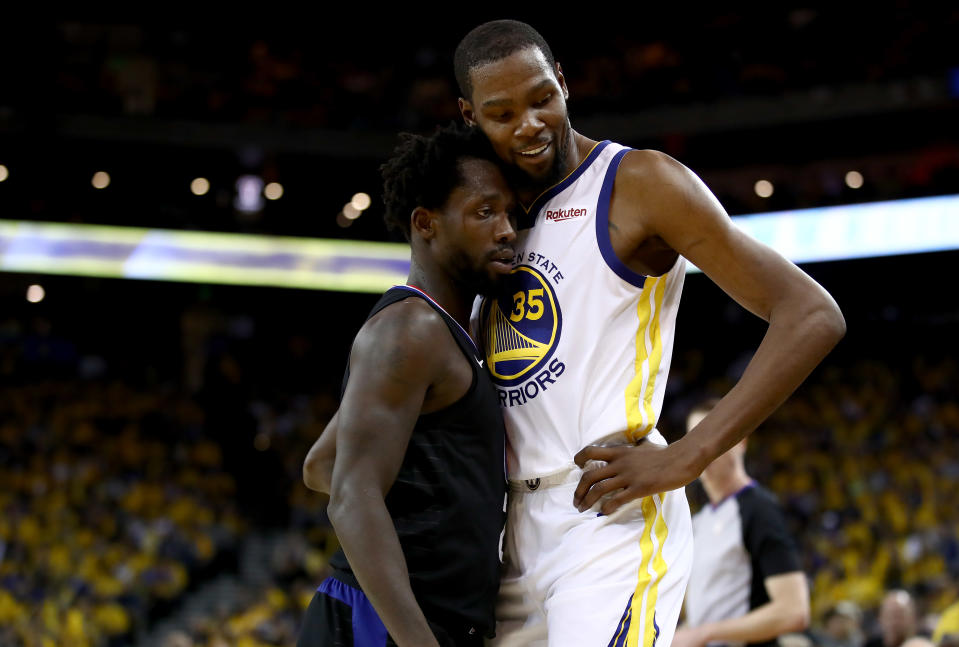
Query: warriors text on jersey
(578, 344)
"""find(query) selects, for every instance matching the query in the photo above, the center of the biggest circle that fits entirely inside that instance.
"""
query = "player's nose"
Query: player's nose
(530, 125)
(505, 228)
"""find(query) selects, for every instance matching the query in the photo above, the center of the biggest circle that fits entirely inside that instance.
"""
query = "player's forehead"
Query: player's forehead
(480, 179)
(513, 75)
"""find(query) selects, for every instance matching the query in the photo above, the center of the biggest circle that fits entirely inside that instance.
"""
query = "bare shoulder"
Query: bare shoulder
(656, 197)
(647, 165)
(658, 182)
(403, 333)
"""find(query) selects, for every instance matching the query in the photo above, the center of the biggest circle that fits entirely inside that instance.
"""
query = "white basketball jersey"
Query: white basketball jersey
(578, 345)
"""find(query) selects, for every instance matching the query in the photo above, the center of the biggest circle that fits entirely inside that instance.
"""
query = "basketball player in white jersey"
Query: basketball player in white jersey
(580, 345)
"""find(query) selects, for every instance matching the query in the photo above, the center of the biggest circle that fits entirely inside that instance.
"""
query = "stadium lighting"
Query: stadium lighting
(361, 201)
(249, 198)
(4, 173)
(273, 191)
(101, 180)
(350, 211)
(896, 227)
(36, 293)
(342, 220)
(200, 186)
(854, 179)
(763, 188)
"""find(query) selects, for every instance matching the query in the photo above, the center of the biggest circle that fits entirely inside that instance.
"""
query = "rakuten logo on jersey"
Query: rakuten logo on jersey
(560, 215)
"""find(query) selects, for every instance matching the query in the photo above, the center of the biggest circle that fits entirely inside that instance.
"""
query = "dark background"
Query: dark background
(796, 94)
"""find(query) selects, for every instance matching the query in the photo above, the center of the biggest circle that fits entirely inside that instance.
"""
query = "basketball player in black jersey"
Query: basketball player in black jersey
(418, 483)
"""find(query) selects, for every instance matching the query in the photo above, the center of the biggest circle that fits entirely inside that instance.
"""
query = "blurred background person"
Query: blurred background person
(897, 620)
(747, 584)
(841, 626)
(947, 628)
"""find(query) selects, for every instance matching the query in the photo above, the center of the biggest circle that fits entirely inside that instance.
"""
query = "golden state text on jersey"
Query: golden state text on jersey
(521, 330)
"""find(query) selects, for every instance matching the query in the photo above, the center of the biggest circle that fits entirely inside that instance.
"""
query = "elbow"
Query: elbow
(837, 323)
(313, 475)
(797, 619)
(828, 322)
(801, 621)
(342, 510)
(308, 478)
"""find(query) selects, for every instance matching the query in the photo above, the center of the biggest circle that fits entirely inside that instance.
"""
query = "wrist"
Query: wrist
(705, 634)
(693, 458)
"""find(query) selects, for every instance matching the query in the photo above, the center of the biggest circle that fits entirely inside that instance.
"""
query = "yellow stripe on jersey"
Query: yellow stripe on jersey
(643, 633)
(640, 416)
(659, 567)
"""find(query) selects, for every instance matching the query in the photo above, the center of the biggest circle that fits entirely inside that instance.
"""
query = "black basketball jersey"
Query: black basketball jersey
(447, 503)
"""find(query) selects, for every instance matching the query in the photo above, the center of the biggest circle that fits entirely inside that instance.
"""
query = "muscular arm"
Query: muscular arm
(663, 198)
(392, 365)
(787, 611)
(318, 466)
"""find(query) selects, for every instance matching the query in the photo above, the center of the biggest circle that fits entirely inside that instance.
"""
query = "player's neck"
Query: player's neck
(719, 488)
(454, 299)
(581, 147)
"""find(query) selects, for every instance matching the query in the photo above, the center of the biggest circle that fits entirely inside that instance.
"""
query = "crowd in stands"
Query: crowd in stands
(340, 74)
(865, 459)
(122, 493)
(109, 506)
(258, 84)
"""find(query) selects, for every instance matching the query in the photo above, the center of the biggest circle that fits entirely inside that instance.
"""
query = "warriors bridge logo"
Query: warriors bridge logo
(522, 329)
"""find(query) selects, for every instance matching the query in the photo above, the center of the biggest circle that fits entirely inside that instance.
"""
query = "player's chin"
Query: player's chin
(539, 167)
(492, 283)
(499, 268)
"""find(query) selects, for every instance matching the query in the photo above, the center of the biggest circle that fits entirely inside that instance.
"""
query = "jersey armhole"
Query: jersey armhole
(602, 226)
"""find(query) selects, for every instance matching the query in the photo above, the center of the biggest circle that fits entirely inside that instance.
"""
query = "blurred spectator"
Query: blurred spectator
(841, 626)
(897, 620)
(108, 513)
(918, 641)
(948, 625)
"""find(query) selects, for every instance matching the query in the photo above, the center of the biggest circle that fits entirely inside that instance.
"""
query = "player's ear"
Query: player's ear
(561, 80)
(422, 223)
(466, 109)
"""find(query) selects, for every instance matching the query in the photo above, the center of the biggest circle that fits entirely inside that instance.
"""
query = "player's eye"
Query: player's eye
(503, 117)
(542, 102)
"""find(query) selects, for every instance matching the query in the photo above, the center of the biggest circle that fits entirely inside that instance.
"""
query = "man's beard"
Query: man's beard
(558, 169)
(474, 280)
(518, 179)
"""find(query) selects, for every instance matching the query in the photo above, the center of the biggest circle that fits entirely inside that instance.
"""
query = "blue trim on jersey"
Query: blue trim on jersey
(554, 190)
(602, 226)
(416, 290)
(622, 629)
(368, 629)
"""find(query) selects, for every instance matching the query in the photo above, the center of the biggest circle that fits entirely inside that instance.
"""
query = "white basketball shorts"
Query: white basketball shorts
(582, 579)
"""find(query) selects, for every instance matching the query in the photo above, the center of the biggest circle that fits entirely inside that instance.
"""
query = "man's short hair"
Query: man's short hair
(493, 41)
(423, 171)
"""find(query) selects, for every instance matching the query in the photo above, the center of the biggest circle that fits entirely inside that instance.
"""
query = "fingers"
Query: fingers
(600, 487)
(614, 503)
(594, 453)
(588, 479)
